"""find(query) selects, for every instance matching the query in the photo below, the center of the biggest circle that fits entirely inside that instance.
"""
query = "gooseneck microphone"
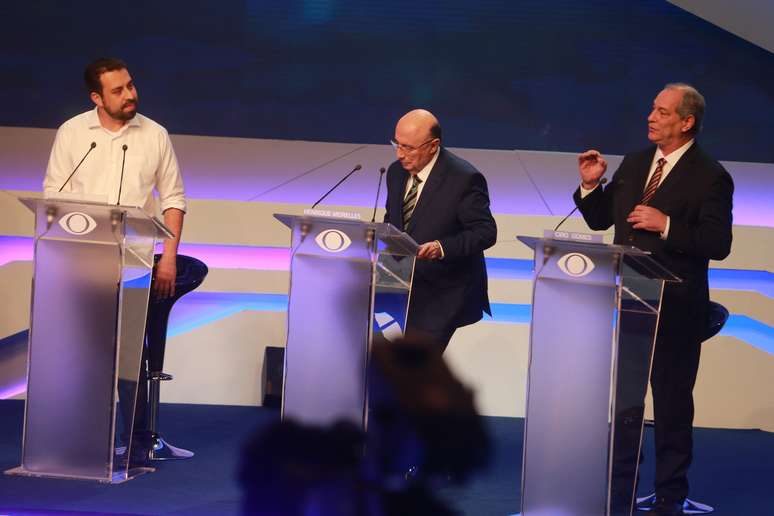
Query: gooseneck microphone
(357, 167)
(601, 182)
(378, 189)
(121, 181)
(91, 147)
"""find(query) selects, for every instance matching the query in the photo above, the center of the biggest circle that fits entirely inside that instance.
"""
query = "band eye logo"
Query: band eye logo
(575, 264)
(77, 223)
(333, 240)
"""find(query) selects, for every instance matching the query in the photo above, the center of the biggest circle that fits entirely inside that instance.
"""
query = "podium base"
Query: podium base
(117, 478)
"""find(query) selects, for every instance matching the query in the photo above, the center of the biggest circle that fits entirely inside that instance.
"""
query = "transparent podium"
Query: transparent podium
(91, 281)
(348, 280)
(595, 312)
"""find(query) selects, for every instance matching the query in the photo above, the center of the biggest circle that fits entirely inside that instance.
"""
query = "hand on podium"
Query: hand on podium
(164, 275)
(430, 251)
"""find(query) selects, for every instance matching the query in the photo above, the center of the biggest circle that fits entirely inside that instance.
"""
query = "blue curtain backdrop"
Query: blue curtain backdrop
(558, 75)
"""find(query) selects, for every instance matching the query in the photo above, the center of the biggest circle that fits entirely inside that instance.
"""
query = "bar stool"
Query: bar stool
(190, 274)
(718, 315)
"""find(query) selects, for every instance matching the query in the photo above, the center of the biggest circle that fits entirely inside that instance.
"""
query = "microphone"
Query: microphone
(121, 182)
(601, 182)
(378, 188)
(357, 167)
(91, 147)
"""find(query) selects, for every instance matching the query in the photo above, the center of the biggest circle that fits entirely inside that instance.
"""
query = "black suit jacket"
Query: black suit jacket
(453, 209)
(697, 196)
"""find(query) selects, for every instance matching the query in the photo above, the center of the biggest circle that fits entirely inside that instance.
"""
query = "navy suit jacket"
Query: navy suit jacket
(453, 209)
(697, 196)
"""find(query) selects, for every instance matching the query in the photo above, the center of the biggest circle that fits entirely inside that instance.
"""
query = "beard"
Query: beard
(121, 114)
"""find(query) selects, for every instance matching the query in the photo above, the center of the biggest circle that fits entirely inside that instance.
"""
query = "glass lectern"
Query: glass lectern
(595, 312)
(347, 279)
(91, 281)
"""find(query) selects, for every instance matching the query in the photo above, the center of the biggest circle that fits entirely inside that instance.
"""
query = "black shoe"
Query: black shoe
(139, 458)
(413, 475)
(416, 476)
(667, 507)
(139, 453)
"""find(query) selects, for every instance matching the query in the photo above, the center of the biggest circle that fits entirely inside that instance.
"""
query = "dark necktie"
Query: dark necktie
(410, 202)
(655, 179)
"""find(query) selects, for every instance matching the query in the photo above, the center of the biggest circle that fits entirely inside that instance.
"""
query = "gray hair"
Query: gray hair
(691, 104)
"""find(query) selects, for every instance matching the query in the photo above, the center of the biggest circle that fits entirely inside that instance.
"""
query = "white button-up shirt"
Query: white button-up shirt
(671, 160)
(150, 163)
(423, 175)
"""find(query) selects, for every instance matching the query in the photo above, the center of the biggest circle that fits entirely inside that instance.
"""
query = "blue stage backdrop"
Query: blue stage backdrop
(560, 75)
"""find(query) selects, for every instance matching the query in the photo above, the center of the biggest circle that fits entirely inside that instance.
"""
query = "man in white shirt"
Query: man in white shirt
(675, 201)
(129, 155)
(114, 154)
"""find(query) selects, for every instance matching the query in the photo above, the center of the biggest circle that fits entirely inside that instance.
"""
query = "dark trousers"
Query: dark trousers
(675, 365)
(441, 336)
(137, 413)
(141, 422)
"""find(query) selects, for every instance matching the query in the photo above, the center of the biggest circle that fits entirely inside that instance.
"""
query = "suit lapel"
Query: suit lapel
(430, 189)
(641, 170)
(397, 200)
(677, 173)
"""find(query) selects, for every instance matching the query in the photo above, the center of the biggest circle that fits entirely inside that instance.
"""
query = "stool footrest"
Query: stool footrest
(162, 450)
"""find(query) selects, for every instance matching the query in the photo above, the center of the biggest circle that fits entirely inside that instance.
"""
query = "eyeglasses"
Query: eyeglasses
(408, 149)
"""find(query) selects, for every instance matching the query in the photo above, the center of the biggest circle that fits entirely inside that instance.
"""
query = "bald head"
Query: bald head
(418, 136)
(420, 122)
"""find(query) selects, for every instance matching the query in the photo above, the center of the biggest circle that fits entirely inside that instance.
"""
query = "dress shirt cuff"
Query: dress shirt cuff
(664, 234)
(584, 191)
(441, 248)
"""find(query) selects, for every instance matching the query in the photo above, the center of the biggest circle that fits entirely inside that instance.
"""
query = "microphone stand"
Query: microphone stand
(378, 189)
(601, 182)
(357, 167)
(91, 147)
(121, 182)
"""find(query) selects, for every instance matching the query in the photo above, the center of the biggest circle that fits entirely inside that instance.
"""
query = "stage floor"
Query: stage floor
(732, 471)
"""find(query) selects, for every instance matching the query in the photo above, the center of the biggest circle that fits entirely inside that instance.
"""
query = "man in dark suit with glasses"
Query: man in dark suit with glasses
(442, 201)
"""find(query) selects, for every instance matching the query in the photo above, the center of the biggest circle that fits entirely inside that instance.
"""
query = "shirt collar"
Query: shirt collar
(674, 156)
(93, 120)
(429, 167)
